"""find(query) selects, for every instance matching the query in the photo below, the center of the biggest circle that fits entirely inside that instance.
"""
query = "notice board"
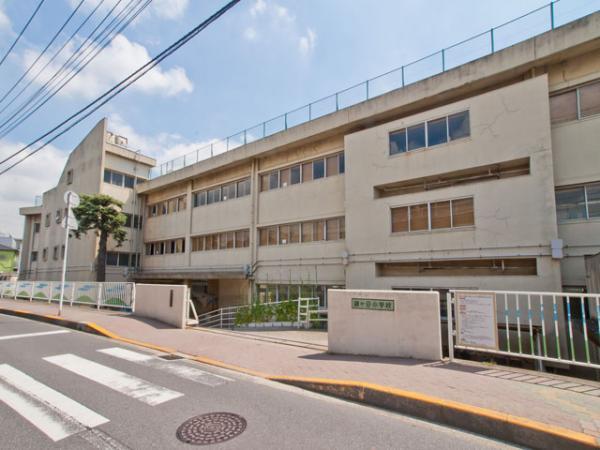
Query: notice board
(476, 321)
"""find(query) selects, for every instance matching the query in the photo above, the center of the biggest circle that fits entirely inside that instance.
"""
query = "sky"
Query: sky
(261, 59)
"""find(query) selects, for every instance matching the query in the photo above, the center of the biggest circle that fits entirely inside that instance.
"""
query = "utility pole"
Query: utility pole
(70, 223)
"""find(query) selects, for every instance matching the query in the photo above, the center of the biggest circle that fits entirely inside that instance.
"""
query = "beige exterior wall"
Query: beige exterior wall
(87, 163)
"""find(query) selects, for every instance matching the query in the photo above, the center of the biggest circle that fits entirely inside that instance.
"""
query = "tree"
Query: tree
(101, 213)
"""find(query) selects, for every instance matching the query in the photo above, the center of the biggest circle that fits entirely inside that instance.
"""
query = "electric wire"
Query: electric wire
(43, 51)
(117, 89)
(35, 77)
(22, 31)
(46, 96)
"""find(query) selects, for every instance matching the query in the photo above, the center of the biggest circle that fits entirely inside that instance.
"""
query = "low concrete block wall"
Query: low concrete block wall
(403, 324)
(163, 302)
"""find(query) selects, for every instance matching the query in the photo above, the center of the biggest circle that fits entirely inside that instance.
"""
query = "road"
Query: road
(62, 389)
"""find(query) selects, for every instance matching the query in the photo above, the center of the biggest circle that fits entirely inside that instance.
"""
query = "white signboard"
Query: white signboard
(476, 322)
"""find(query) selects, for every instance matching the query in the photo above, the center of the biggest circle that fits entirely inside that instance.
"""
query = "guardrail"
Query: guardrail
(558, 327)
(306, 312)
(533, 23)
(119, 295)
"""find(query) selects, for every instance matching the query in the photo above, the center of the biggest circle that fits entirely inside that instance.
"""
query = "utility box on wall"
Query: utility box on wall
(403, 324)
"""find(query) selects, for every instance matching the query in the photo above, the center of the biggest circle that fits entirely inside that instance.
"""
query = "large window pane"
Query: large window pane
(440, 215)
(319, 231)
(342, 161)
(399, 219)
(318, 169)
(200, 198)
(223, 240)
(436, 132)
(284, 177)
(264, 183)
(570, 204)
(419, 217)
(107, 174)
(112, 258)
(129, 181)
(307, 172)
(117, 179)
(593, 198)
(213, 196)
(458, 125)
(342, 228)
(229, 191)
(273, 236)
(332, 166)
(333, 229)
(123, 259)
(307, 232)
(294, 233)
(230, 238)
(589, 99)
(295, 175)
(243, 188)
(284, 234)
(416, 136)
(274, 180)
(563, 107)
(242, 238)
(463, 213)
(263, 236)
(398, 142)
(215, 241)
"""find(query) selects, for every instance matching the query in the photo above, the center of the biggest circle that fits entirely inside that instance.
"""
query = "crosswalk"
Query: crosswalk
(57, 416)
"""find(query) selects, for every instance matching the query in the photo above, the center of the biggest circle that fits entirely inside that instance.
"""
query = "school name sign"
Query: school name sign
(373, 304)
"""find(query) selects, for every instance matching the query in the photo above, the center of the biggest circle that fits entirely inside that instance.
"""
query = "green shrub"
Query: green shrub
(286, 311)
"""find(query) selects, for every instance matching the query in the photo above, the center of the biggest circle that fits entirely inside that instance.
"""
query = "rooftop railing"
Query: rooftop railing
(540, 20)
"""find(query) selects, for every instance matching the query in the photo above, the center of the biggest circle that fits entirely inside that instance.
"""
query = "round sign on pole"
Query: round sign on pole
(74, 199)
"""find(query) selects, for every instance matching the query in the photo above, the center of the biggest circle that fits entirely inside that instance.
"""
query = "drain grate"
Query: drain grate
(211, 428)
(171, 357)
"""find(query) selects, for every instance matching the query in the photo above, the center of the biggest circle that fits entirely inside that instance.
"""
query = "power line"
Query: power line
(53, 56)
(47, 96)
(117, 89)
(77, 53)
(43, 51)
(22, 31)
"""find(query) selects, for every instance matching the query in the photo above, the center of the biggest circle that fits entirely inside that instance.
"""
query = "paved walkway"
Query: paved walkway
(560, 401)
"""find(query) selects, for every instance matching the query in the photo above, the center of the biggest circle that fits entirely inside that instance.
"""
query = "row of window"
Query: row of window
(61, 214)
(133, 221)
(222, 193)
(578, 203)
(122, 259)
(316, 230)
(166, 247)
(430, 133)
(55, 253)
(269, 293)
(433, 216)
(120, 179)
(576, 103)
(221, 241)
(170, 206)
(301, 173)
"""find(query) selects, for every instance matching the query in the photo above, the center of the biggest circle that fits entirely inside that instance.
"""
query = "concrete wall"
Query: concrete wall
(412, 330)
(166, 303)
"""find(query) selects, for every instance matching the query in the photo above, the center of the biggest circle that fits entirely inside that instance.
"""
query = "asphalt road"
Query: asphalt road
(62, 389)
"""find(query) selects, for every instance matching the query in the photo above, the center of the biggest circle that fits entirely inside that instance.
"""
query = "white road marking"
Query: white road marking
(119, 381)
(54, 414)
(26, 335)
(173, 367)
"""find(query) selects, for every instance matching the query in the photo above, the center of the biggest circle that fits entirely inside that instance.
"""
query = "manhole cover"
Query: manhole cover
(211, 428)
(170, 357)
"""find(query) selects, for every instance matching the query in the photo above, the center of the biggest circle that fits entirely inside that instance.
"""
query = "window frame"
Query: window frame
(430, 228)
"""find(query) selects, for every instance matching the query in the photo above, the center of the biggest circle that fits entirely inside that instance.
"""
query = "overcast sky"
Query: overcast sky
(261, 59)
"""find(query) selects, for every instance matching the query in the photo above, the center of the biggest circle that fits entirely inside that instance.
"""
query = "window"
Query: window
(342, 162)
(62, 252)
(398, 142)
(307, 232)
(107, 175)
(333, 229)
(284, 234)
(274, 180)
(58, 216)
(34, 256)
(127, 220)
(220, 241)
(575, 104)
(578, 202)
(319, 230)
(589, 99)
(45, 254)
(272, 236)
(264, 183)
(458, 267)
(459, 126)
(70, 176)
(242, 238)
(284, 177)
(228, 191)
(36, 227)
(123, 259)
(117, 179)
(436, 132)
(307, 172)
(294, 233)
(129, 181)
(318, 169)
(333, 167)
(295, 175)
(416, 137)
(243, 188)
(55, 253)
(199, 198)
(310, 231)
(166, 247)
(432, 216)
(225, 192)
(47, 220)
(112, 258)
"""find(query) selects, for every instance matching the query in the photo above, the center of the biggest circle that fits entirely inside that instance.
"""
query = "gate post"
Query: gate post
(99, 296)
(450, 326)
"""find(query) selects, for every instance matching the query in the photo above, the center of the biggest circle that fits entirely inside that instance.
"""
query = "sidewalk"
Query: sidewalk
(573, 404)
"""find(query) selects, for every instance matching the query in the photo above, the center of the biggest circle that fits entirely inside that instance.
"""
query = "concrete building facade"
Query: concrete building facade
(101, 163)
(486, 176)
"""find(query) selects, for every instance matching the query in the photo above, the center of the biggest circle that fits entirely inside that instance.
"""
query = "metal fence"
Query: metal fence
(540, 20)
(306, 312)
(119, 295)
(557, 327)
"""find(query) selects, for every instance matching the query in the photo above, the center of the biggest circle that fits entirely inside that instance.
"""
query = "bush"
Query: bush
(286, 311)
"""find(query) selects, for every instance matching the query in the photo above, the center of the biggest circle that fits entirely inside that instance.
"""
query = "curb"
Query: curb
(486, 422)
